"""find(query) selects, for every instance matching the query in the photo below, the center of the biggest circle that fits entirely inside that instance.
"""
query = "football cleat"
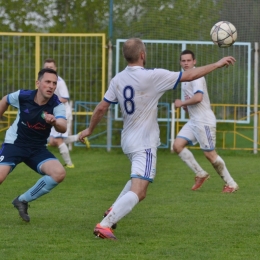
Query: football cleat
(22, 207)
(70, 166)
(106, 213)
(104, 232)
(86, 141)
(229, 189)
(199, 181)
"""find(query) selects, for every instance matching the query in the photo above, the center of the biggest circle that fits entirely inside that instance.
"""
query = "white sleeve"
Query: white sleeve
(110, 95)
(62, 89)
(197, 85)
(165, 79)
(59, 111)
(13, 99)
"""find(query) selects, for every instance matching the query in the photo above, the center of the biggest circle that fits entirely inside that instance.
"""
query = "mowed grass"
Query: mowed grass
(173, 222)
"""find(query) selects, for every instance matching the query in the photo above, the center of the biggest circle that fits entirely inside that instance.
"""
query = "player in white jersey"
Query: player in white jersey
(201, 128)
(137, 90)
(57, 139)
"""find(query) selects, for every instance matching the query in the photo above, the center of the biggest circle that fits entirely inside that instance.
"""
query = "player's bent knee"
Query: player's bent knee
(142, 197)
(53, 143)
(54, 169)
(177, 149)
(209, 159)
(59, 176)
(211, 156)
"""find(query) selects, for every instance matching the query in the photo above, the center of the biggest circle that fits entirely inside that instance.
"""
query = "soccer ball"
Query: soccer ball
(223, 34)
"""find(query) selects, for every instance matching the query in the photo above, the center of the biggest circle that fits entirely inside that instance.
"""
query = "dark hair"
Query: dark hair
(188, 52)
(49, 60)
(42, 71)
(132, 48)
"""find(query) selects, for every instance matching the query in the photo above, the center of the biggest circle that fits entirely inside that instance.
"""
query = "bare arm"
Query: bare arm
(197, 98)
(98, 113)
(199, 72)
(3, 105)
(60, 124)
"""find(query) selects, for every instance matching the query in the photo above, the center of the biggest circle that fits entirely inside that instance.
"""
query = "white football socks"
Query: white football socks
(221, 169)
(124, 191)
(71, 139)
(64, 151)
(121, 207)
(189, 159)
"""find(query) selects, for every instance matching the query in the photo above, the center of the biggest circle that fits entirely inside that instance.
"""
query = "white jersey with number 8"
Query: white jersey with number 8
(137, 90)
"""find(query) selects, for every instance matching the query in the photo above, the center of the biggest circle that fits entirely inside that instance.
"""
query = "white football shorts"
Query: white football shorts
(143, 164)
(200, 133)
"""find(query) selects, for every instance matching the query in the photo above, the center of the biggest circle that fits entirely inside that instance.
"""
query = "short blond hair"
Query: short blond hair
(132, 48)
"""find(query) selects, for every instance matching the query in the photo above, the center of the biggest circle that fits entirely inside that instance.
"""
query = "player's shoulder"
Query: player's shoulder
(149, 69)
(137, 70)
(160, 72)
(26, 93)
(55, 100)
(200, 80)
(60, 78)
(61, 83)
(21, 96)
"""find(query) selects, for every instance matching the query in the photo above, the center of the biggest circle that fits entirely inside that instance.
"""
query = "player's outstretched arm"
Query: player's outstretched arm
(3, 105)
(226, 61)
(98, 113)
(199, 72)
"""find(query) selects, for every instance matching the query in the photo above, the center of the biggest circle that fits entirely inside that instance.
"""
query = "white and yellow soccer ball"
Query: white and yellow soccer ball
(223, 34)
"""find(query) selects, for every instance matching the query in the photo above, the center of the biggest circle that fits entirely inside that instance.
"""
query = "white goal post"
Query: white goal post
(256, 97)
(172, 126)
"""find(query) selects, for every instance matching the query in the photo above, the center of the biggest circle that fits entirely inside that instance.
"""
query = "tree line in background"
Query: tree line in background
(189, 20)
(154, 19)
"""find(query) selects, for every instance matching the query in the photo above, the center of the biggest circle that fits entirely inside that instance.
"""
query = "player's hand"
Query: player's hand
(226, 61)
(178, 103)
(83, 134)
(50, 119)
(185, 108)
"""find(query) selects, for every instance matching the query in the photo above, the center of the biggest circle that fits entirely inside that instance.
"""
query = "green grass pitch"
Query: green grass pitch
(173, 222)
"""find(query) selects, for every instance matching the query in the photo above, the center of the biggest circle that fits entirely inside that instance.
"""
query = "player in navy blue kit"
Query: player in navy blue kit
(25, 141)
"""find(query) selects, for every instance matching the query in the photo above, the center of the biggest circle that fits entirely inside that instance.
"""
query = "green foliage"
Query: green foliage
(57, 16)
(173, 222)
(25, 16)
(81, 16)
(163, 19)
(166, 20)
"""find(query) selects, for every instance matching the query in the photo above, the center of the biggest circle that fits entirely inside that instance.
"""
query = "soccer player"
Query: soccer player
(25, 141)
(200, 128)
(138, 90)
(57, 139)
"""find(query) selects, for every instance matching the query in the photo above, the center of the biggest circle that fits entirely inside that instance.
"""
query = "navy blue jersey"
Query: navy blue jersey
(29, 128)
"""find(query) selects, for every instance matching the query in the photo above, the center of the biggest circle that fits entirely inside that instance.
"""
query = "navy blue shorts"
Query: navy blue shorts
(11, 154)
